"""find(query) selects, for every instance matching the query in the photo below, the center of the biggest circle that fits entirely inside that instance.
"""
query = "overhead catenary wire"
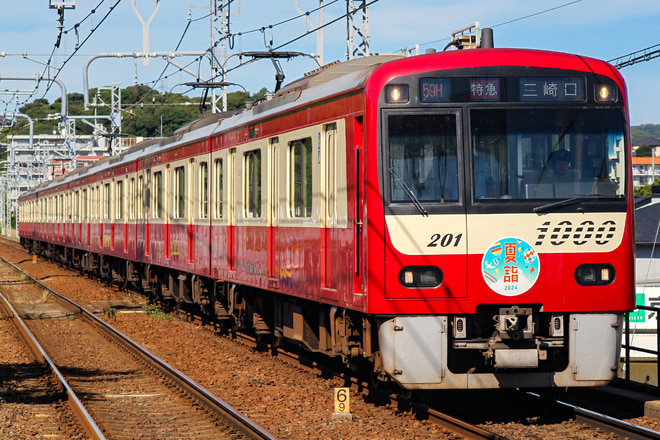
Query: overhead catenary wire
(52, 79)
(525, 17)
(638, 56)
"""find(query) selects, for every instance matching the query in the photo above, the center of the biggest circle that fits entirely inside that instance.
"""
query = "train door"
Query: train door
(273, 272)
(168, 210)
(232, 188)
(330, 243)
(147, 204)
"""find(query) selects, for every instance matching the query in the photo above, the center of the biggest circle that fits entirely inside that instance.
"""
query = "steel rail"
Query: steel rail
(201, 394)
(84, 419)
(610, 424)
(607, 423)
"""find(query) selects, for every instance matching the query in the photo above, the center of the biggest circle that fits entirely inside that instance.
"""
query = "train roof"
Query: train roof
(331, 80)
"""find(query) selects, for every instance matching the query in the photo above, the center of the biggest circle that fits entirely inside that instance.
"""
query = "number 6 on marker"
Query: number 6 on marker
(342, 400)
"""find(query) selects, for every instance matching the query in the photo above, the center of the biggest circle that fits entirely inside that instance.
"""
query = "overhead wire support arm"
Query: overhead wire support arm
(274, 57)
(638, 56)
(166, 55)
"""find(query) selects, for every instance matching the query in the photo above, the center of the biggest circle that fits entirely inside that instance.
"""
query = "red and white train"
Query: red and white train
(449, 220)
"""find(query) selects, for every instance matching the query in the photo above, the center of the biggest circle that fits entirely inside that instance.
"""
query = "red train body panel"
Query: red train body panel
(403, 211)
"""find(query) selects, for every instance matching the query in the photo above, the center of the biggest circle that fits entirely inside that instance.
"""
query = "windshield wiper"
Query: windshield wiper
(411, 195)
(567, 202)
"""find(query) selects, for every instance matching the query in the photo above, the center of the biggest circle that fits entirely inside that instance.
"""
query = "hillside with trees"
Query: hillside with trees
(143, 110)
(641, 132)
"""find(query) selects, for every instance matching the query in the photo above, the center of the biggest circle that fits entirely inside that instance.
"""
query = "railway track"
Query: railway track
(126, 389)
(458, 424)
(610, 424)
(61, 414)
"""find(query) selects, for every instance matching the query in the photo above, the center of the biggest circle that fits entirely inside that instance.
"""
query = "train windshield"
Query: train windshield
(423, 152)
(550, 153)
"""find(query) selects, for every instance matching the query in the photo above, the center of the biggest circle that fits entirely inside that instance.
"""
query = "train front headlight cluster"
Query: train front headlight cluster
(420, 276)
(598, 274)
(397, 94)
(606, 93)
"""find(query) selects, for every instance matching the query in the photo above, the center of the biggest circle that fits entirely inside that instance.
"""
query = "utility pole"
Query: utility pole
(219, 25)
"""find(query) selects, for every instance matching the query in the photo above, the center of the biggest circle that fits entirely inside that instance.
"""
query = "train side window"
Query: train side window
(91, 203)
(158, 195)
(119, 200)
(300, 178)
(98, 203)
(203, 190)
(252, 184)
(107, 201)
(76, 206)
(179, 192)
(218, 179)
(84, 205)
(140, 197)
(131, 198)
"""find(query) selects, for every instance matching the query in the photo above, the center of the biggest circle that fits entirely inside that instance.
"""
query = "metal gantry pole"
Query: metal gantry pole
(357, 28)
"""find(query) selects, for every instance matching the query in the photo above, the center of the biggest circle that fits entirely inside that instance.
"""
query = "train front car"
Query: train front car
(503, 180)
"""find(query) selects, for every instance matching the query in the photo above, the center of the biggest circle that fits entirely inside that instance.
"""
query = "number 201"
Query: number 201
(446, 240)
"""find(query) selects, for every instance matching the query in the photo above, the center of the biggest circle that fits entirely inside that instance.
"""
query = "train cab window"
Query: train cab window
(300, 178)
(422, 158)
(180, 192)
(203, 189)
(252, 184)
(554, 153)
(218, 179)
(158, 195)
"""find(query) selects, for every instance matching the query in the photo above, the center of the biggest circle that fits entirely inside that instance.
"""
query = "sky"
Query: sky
(605, 29)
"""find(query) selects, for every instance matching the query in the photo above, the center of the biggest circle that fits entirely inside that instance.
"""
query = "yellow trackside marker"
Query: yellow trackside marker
(342, 404)
(34, 259)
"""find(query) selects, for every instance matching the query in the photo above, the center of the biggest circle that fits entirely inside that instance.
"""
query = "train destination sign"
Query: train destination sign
(502, 89)
(544, 89)
(435, 89)
(484, 89)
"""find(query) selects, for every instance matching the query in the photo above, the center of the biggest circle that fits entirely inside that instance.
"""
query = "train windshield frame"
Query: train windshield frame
(547, 153)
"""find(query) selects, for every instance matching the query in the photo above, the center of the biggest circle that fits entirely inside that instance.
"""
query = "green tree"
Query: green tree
(645, 190)
(145, 111)
(643, 151)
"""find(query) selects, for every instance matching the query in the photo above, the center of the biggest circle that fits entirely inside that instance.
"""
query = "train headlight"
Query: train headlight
(397, 94)
(600, 274)
(606, 93)
(420, 276)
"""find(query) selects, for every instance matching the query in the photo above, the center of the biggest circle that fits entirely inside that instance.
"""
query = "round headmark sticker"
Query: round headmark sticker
(510, 266)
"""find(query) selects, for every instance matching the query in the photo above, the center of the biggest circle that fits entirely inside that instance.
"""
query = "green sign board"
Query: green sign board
(639, 315)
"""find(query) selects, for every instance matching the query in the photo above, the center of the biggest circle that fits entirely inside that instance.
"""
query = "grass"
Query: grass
(156, 312)
(109, 312)
(34, 316)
